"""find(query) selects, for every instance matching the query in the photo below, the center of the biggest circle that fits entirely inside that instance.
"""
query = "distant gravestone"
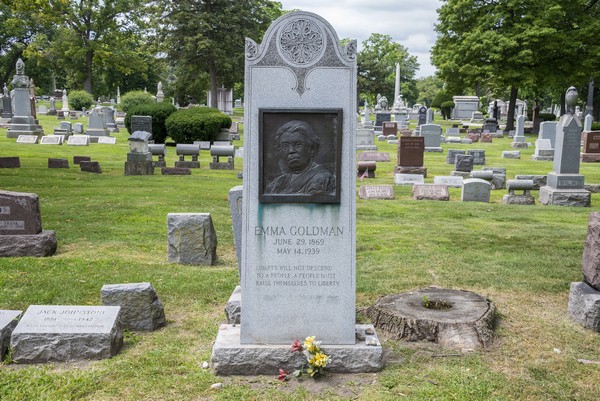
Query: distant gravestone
(97, 123)
(78, 140)
(51, 333)
(511, 154)
(389, 128)
(463, 163)
(432, 134)
(430, 192)
(192, 239)
(374, 156)
(519, 137)
(10, 162)
(79, 159)
(587, 123)
(139, 158)
(408, 179)
(182, 150)
(22, 122)
(475, 190)
(28, 139)
(451, 155)
(376, 192)
(565, 186)
(381, 117)
(478, 156)
(52, 140)
(448, 180)
(58, 163)
(365, 139)
(175, 171)
(543, 150)
(90, 167)
(159, 150)
(107, 140)
(422, 119)
(141, 123)
(410, 155)
(141, 308)
(548, 131)
(8, 322)
(591, 147)
(218, 153)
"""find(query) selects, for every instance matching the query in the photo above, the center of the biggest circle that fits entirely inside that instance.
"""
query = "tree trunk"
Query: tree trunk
(563, 108)
(510, 118)
(213, 84)
(536, 117)
(87, 84)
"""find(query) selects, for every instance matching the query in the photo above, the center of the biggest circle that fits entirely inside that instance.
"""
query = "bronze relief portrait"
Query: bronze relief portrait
(300, 156)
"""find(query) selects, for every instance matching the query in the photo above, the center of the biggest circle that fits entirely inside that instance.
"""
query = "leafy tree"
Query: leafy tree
(428, 88)
(206, 38)
(377, 69)
(518, 44)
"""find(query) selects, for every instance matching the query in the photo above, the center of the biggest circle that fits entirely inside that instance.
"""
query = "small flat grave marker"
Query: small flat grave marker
(10, 162)
(430, 192)
(408, 179)
(52, 333)
(29, 139)
(448, 180)
(376, 192)
(374, 156)
(79, 140)
(52, 140)
(107, 140)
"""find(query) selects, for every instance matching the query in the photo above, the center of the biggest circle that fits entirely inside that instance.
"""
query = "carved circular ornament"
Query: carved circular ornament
(301, 42)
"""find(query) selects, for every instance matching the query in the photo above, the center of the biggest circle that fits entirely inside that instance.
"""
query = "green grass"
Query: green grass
(112, 229)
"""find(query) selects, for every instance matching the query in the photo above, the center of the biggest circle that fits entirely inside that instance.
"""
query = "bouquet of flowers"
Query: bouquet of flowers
(316, 360)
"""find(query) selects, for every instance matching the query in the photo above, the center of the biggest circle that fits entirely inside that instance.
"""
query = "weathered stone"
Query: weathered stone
(475, 190)
(10, 162)
(511, 154)
(451, 155)
(564, 197)
(79, 159)
(51, 333)
(591, 252)
(451, 181)
(593, 188)
(58, 163)
(451, 318)
(233, 307)
(8, 322)
(430, 192)
(90, 167)
(175, 171)
(512, 199)
(141, 308)
(376, 192)
(192, 238)
(584, 306)
(229, 357)
(19, 213)
(38, 245)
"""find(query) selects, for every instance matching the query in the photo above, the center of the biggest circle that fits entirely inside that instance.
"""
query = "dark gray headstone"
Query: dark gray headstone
(19, 213)
(141, 123)
(141, 308)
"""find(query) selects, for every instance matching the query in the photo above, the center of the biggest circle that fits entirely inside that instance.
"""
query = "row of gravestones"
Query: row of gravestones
(67, 333)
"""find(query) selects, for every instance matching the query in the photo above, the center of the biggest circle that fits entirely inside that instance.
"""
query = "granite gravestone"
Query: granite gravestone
(6, 103)
(299, 244)
(448, 180)
(380, 118)
(365, 139)
(51, 333)
(22, 121)
(192, 239)
(159, 150)
(8, 322)
(182, 150)
(219, 153)
(376, 192)
(141, 308)
(78, 140)
(548, 131)
(519, 138)
(591, 147)
(433, 137)
(408, 179)
(430, 192)
(21, 231)
(565, 186)
(543, 150)
(141, 123)
(374, 156)
(475, 190)
(139, 158)
(389, 128)
(478, 156)
(410, 155)
(422, 119)
(451, 155)
(97, 123)
(10, 162)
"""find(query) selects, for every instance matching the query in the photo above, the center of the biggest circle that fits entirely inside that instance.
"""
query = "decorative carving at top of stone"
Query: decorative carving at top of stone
(351, 49)
(20, 67)
(251, 49)
(301, 42)
(571, 99)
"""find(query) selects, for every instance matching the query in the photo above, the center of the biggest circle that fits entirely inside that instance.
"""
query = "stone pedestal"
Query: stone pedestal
(37, 245)
(230, 357)
(584, 305)
(411, 170)
(565, 197)
(139, 168)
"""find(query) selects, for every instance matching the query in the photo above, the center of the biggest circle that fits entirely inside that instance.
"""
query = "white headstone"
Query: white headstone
(408, 179)
(79, 140)
(587, 123)
(52, 140)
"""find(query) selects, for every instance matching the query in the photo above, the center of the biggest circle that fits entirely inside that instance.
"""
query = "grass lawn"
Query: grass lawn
(112, 229)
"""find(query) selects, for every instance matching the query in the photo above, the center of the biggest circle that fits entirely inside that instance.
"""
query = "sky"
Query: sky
(409, 23)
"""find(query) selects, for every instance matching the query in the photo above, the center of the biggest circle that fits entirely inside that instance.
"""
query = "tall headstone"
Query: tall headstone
(118, 95)
(22, 122)
(548, 131)
(65, 101)
(587, 122)
(6, 103)
(565, 184)
(160, 95)
(422, 116)
(97, 123)
(109, 116)
(410, 155)
(519, 138)
(298, 232)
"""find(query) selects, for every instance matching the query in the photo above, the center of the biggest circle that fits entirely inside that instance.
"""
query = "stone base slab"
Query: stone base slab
(186, 164)
(584, 306)
(518, 145)
(229, 357)
(221, 166)
(565, 197)
(509, 199)
(590, 157)
(233, 307)
(434, 149)
(543, 158)
(37, 245)
(411, 170)
(367, 147)
(145, 168)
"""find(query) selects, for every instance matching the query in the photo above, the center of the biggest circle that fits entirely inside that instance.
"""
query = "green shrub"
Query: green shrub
(596, 126)
(446, 108)
(78, 100)
(159, 113)
(547, 117)
(134, 98)
(196, 124)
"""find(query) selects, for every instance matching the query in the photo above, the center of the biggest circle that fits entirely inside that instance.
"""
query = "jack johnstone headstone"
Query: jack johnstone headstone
(299, 211)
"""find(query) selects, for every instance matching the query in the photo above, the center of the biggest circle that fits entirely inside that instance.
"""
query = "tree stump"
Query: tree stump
(452, 318)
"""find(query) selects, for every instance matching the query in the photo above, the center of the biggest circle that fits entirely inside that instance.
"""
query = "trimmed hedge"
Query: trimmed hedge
(596, 126)
(159, 113)
(134, 98)
(78, 100)
(196, 124)
(547, 117)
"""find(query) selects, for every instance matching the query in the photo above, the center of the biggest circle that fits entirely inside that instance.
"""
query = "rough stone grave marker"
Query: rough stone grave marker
(52, 333)
(430, 192)
(8, 322)
(298, 257)
(376, 192)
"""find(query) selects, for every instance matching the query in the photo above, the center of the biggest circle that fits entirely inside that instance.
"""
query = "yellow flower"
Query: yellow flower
(309, 344)
(319, 360)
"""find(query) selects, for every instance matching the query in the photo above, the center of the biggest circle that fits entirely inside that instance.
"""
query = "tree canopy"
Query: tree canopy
(377, 69)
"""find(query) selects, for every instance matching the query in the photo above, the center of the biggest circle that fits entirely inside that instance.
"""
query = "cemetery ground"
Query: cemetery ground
(111, 229)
